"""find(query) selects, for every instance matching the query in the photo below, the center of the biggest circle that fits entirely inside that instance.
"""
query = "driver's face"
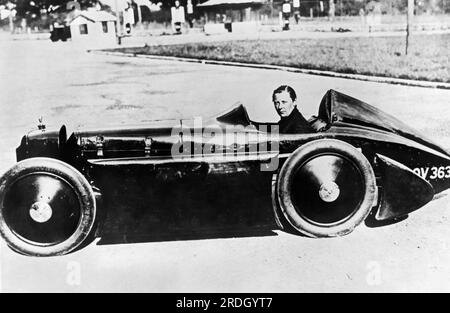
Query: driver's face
(283, 103)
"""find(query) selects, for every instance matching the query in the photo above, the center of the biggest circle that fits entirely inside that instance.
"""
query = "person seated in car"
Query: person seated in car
(292, 121)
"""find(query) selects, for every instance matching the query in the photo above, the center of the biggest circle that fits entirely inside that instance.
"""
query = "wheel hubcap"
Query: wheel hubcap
(327, 189)
(42, 209)
(41, 212)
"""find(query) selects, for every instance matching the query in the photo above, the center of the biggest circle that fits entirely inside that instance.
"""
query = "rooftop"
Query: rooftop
(211, 3)
(96, 16)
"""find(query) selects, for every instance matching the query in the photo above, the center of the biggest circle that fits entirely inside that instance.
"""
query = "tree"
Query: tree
(36, 8)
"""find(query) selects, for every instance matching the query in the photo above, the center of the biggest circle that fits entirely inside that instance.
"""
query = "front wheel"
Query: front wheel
(325, 189)
(47, 207)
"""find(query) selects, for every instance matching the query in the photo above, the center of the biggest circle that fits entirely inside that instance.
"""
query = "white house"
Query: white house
(94, 28)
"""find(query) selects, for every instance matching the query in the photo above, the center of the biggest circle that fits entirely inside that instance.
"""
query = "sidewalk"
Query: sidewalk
(6, 36)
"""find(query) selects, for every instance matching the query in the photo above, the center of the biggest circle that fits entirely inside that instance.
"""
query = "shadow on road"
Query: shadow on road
(112, 239)
(371, 222)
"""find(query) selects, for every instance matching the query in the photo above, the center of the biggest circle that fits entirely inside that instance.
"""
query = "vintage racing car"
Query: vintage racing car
(173, 177)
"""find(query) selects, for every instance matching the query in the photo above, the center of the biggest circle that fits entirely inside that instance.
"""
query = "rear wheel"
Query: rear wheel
(325, 189)
(47, 207)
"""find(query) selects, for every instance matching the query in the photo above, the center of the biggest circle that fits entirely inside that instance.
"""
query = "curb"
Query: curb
(376, 79)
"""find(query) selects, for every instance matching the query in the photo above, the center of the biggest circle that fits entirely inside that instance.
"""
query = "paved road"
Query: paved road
(67, 85)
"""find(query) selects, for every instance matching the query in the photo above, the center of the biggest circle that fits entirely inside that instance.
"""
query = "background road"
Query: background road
(67, 85)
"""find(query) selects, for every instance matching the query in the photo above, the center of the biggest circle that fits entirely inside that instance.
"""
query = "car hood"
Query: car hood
(336, 109)
(339, 109)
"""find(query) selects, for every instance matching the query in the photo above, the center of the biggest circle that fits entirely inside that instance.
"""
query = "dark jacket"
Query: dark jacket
(295, 123)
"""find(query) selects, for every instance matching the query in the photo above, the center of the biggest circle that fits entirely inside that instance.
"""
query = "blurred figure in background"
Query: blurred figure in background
(190, 13)
(286, 9)
(296, 5)
(178, 18)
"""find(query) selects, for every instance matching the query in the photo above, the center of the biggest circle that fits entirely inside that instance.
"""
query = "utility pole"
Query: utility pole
(11, 22)
(11, 7)
(331, 10)
(118, 28)
(139, 12)
(409, 20)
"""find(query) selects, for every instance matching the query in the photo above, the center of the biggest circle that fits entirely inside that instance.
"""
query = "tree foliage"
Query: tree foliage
(35, 8)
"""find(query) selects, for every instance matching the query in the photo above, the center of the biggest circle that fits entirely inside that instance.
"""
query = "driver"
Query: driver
(292, 121)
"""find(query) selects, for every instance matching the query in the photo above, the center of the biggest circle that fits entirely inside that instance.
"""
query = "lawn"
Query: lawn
(428, 57)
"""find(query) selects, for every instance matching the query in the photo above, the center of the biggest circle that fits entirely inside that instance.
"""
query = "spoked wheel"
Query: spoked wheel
(326, 188)
(47, 207)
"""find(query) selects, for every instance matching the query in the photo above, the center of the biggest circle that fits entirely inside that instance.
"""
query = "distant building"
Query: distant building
(234, 15)
(94, 28)
(132, 11)
(234, 10)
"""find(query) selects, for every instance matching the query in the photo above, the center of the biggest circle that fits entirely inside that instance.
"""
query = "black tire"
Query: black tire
(53, 37)
(325, 189)
(47, 207)
(281, 222)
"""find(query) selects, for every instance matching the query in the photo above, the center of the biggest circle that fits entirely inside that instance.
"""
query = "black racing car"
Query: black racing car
(178, 176)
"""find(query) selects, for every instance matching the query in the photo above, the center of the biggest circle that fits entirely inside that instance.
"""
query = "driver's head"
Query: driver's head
(284, 99)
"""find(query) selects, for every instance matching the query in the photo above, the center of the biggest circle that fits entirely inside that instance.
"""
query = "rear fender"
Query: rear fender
(402, 191)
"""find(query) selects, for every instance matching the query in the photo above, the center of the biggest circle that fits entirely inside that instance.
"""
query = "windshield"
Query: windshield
(237, 115)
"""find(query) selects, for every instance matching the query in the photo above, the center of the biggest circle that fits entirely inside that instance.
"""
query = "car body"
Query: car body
(219, 174)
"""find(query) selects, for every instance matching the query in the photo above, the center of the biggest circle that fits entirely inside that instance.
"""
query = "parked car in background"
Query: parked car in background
(59, 32)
